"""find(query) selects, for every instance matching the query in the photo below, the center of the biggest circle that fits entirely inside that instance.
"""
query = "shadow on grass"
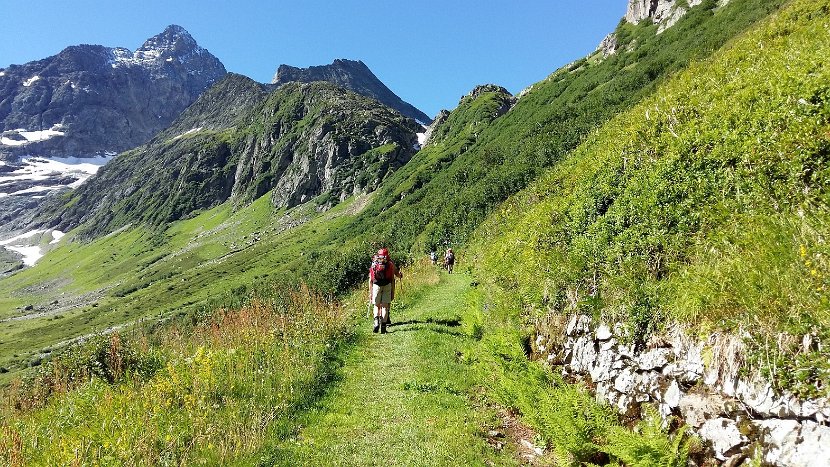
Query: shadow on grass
(439, 326)
(452, 323)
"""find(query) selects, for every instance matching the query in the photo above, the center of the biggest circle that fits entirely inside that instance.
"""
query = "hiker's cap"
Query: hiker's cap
(383, 252)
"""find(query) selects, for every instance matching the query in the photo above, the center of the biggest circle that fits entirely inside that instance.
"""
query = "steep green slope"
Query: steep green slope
(451, 185)
(476, 159)
(705, 204)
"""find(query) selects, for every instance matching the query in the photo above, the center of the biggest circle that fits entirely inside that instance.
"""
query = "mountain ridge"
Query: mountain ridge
(353, 75)
(90, 100)
(239, 141)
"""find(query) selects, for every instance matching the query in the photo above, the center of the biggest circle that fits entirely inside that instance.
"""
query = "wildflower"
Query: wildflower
(803, 251)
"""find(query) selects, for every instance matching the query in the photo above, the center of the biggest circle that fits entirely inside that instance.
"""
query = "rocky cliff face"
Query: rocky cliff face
(354, 76)
(658, 10)
(665, 13)
(90, 100)
(240, 141)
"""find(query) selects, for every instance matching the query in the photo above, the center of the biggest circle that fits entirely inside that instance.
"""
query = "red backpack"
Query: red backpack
(381, 272)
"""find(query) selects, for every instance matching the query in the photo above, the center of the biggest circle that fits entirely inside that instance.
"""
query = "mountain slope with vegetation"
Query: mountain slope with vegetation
(706, 205)
(654, 180)
(655, 215)
(296, 143)
(450, 186)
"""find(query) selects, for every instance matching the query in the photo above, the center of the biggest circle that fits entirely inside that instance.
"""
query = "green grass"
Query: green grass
(145, 274)
(243, 386)
(706, 204)
(404, 398)
(210, 392)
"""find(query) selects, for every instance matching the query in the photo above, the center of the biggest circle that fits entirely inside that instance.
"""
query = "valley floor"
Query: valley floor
(404, 398)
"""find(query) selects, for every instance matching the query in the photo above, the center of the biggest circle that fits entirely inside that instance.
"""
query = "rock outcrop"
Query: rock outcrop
(700, 381)
(355, 76)
(91, 100)
(658, 10)
(665, 13)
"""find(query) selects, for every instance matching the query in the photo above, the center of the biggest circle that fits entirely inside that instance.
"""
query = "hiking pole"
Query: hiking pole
(369, 302)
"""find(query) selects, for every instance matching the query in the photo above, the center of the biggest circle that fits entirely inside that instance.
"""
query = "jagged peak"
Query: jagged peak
(172, 35)
(484, 88)
(338, 63)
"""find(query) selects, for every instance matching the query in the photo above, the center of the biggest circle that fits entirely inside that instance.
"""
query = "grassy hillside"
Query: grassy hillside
(450, 186)
(212, 392)
(142, 273)
(706, 204)
(478, 158)
(704, 201)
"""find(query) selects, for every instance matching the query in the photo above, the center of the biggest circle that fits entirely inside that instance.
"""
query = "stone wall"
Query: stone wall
(697, 380)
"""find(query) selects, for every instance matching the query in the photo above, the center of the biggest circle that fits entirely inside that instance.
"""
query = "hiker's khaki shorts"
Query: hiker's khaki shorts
(381, 294)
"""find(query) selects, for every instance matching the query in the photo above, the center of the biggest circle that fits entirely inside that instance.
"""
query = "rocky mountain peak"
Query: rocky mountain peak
(485, 88)
(353, 75)
(173, 40)
(89, 101)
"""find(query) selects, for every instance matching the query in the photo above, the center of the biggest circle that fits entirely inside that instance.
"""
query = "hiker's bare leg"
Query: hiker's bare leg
(384, 309)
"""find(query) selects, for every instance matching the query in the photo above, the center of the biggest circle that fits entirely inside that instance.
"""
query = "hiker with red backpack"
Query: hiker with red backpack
(382, 287)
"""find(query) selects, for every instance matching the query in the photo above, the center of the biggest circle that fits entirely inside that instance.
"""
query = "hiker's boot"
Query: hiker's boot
(388, 319)
(383, 328)
(377, 325)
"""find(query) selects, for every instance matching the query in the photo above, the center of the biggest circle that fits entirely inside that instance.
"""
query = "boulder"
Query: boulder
(654, 359)
(697, 408)
(724, 435)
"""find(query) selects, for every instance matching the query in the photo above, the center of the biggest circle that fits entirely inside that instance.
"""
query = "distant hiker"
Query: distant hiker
(382, 287)
(449, 260)
(433, 256)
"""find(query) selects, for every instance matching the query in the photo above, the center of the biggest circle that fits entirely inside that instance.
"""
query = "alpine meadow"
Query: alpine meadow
(642, 267)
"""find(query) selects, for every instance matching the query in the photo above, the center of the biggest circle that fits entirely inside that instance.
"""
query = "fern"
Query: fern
(649, 444)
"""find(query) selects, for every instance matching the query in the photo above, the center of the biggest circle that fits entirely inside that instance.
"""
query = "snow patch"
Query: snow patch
(422, 138)
(22, 236)
(2, 73)
(31, 136)
(30, 253)
(28, 244)
(57, 235)
(192, 130)
(31, 81)
(38, 169)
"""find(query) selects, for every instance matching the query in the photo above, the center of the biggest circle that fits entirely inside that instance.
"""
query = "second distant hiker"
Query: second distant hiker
(449, 260)
(382, 287)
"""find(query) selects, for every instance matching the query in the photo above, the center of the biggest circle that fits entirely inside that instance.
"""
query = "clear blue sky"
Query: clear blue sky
(429, 52)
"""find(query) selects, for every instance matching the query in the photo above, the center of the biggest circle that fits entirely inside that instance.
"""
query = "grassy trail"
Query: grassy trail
(404, 398)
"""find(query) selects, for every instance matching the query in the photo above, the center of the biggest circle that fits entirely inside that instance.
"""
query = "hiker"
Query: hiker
(449, 260)
(382, 287)
(433, 256)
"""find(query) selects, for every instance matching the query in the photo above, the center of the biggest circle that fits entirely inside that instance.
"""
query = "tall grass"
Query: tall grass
(220, 389)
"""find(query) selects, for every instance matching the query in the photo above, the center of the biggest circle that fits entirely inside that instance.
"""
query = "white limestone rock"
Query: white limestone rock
(696, 409)
(584, 355)
(654, 359)
(604, 370)
(724, 435)
(578, 324)
(757, 395)
(673, 394)
(626, 381)
(603, 332)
